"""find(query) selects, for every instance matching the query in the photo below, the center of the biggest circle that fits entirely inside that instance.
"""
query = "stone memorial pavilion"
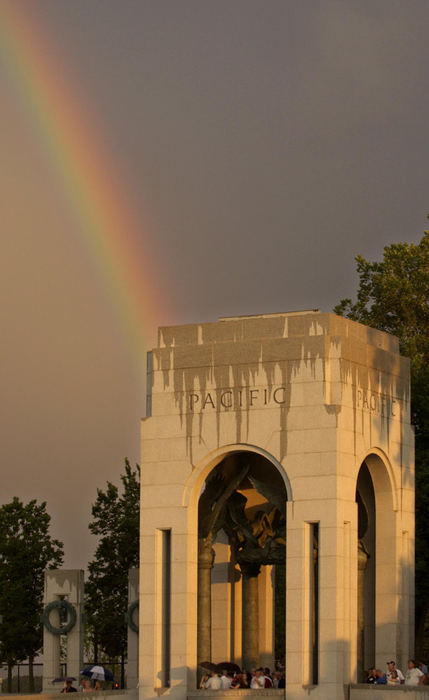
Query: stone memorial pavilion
(277, 513)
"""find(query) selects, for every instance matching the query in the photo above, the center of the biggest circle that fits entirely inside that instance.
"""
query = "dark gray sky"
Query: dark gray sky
(262, 144)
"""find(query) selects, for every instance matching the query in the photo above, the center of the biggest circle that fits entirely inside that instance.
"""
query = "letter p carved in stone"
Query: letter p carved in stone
(193, 400)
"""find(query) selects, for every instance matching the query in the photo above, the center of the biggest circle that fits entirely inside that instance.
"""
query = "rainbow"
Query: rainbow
(122, 252)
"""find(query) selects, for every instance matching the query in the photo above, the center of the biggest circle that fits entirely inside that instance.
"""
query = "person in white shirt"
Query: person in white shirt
(225, 681)
(258, 679)
(392, 667)
(393, 678)
(413, 675)
(213, 682)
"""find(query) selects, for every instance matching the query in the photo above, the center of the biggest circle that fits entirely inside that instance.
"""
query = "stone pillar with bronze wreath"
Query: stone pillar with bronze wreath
(132, 619)
(62, 616)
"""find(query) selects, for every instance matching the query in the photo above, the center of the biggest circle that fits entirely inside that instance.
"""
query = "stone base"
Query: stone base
(358, 691)
(241, 692)
(364, 691)
(99, 694)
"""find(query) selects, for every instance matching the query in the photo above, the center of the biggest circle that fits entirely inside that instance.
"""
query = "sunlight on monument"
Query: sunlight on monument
(277, 513)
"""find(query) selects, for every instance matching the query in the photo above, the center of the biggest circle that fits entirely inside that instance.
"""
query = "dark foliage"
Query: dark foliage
(116, 523)
(26, 550)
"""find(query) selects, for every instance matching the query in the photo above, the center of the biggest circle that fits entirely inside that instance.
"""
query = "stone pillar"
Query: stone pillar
(221, 601)
(205, 564)
(236, 619)
(250, 617)
(133, 635)
(266, 616)
(362, 562)
(61, 584)
(51, 650)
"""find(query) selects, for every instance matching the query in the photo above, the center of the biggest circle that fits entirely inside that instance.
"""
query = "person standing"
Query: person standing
(225, 681)
(413, 675)
(372, 675)
(203, 681)
(393, 678)
(240, 681)
(258, 679)
(213, 682)
(391, 665)
(268, 678)
(276, 678)
(68, 688)
(381, 677)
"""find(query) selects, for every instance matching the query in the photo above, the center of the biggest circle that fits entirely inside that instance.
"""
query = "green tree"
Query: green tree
(26, 550)
(393, 296)
(116, 522)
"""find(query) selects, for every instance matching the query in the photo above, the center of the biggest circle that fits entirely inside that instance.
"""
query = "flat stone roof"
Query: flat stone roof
(290, 324)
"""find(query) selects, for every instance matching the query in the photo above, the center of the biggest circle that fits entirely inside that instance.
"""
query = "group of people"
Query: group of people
(414, 675)
(260, 678)
(85, 686)
(257, 679)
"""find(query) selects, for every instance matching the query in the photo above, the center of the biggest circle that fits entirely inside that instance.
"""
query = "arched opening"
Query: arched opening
(375, 497)
(365, 499)
(241, 562)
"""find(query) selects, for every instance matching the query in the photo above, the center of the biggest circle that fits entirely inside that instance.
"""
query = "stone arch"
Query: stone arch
(190, 501)
(384, 574)
(382, 474)
(200, 472)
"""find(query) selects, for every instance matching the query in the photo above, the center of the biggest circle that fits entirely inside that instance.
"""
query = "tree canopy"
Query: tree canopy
(393, 296)
(116, 518)
(26, 550)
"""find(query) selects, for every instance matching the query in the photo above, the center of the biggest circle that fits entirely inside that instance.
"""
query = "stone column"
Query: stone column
(362, 562)
(63, 584)
(250, 616)
(205, 564)
(267, 630)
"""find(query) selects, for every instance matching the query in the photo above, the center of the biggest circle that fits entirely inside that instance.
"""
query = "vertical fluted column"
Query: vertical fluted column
(206, 556)
(250, 616)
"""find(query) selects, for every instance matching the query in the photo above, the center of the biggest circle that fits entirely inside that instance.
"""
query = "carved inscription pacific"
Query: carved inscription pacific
(380, 404)
(236, 399)
(258, 397)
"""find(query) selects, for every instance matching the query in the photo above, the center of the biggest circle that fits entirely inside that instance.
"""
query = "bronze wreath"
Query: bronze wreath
(59, 605)
(129, 616)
